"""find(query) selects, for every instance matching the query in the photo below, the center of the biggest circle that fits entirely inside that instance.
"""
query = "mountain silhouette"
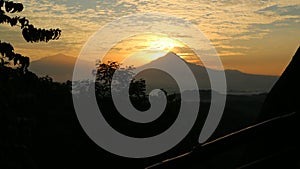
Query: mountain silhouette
(59, 67)
(236, 81)
(283, 98)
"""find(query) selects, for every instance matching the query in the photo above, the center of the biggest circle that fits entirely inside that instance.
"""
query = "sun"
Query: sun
(158, 46)
(163, 44)
(141, 49)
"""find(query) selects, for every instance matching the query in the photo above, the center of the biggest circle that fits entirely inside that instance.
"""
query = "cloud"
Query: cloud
(222, 21)
(230, 53)
(228, 20)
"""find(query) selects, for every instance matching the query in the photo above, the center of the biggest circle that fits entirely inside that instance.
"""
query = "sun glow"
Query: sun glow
(142, 49)
(163, 44)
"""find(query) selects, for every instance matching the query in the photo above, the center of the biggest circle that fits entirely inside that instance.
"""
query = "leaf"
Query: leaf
(26, 34)
(15, 61)
(9, 6)
(24, 22)
(19, 7)
(1, 3)
(2, 62)
(14, 21)
(26, 62)
(17, 58)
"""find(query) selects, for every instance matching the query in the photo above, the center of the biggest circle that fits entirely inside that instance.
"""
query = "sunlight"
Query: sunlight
(165, 44)
(156, 46)
(144, 48)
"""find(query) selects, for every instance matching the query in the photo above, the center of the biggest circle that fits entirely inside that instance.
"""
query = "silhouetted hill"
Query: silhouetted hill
(236, 81)
(59, 67)
(284, 96)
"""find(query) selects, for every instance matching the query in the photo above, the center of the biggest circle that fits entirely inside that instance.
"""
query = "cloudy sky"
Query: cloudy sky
(257, 36)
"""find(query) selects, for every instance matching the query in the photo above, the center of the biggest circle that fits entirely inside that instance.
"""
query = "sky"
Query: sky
(257, 36)
(141, 49)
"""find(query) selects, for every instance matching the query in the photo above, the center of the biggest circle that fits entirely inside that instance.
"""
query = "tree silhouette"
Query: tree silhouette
(104, 78)
(20, 89)
(29, 32)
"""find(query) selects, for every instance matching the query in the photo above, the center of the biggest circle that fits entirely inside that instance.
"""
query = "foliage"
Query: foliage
(104, 79)
(29, 32)
(7, 51)
(24, 98)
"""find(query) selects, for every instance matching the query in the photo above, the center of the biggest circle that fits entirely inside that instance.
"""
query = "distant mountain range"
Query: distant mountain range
(236, 81)
(60, 68)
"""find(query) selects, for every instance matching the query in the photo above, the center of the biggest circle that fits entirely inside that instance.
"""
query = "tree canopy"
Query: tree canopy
(104, 78)
(30, 34)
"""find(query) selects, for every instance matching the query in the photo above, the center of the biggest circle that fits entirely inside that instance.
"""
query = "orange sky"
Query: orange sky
(252, 36)
(141, 49)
